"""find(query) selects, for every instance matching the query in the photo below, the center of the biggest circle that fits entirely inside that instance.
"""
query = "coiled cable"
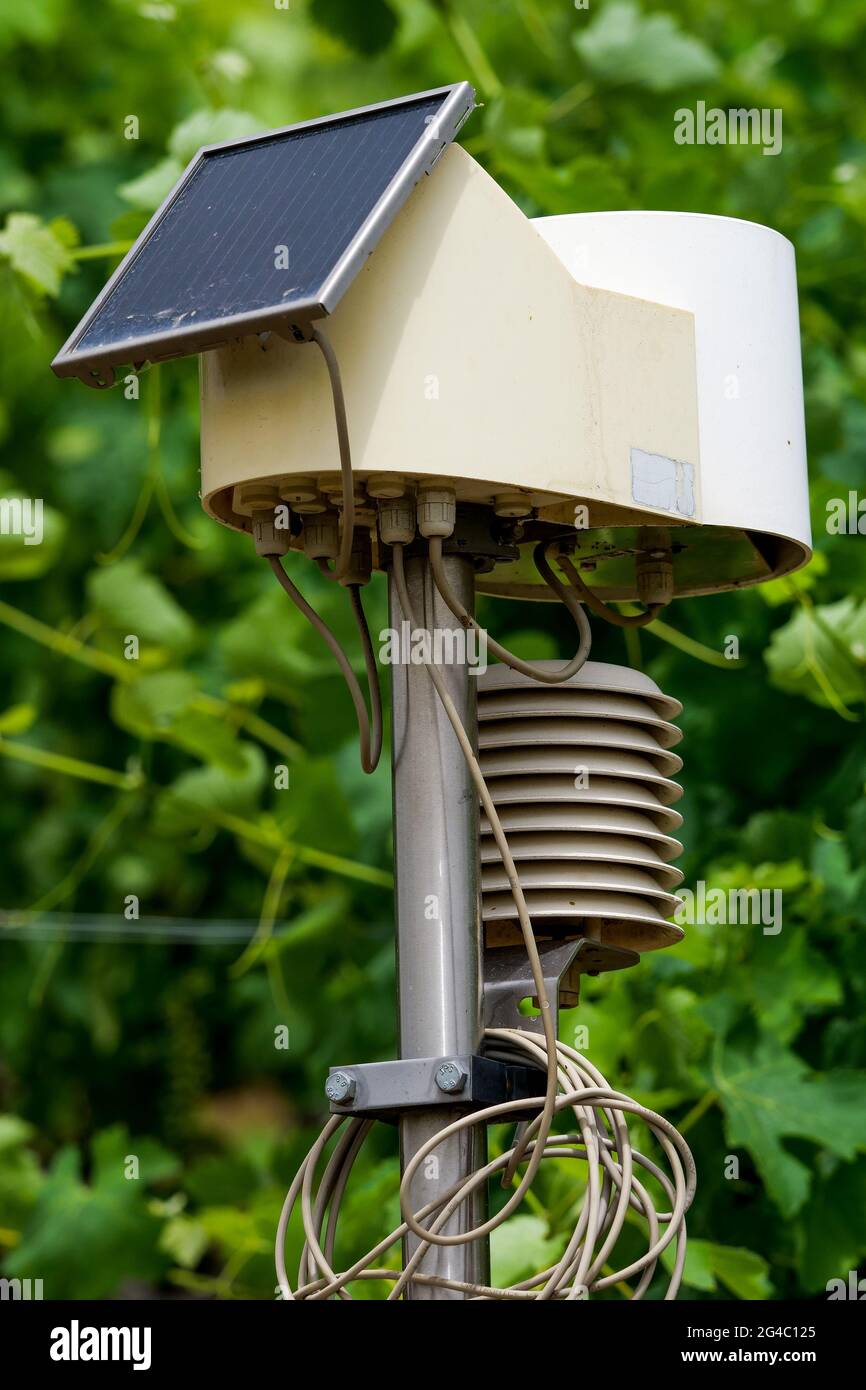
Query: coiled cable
(615, 1190)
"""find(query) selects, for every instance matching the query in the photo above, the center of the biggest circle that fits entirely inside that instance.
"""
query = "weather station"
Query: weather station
(402, 372)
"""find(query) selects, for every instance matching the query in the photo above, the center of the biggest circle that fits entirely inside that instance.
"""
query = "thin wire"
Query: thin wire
(603, 610)
(369, 726)
(526, 668)
(341, 568)
(372, 676)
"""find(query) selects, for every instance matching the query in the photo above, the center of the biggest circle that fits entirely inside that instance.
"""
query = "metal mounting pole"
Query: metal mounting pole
(438, 909)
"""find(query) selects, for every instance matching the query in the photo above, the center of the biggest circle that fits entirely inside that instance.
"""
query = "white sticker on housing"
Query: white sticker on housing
(666, 485)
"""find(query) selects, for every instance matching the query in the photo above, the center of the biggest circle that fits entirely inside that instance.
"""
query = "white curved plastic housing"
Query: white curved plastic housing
(642, 368)
(739, 280)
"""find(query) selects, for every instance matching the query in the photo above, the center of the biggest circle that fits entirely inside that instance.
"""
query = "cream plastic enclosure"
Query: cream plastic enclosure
(739, 280)
(469, 351)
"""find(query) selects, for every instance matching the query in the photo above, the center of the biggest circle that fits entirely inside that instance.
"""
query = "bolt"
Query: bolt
(451, 1077)
(340, 1087)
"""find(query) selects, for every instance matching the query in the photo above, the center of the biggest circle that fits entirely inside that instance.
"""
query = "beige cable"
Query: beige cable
(369, 726)
(603, 609)
(347, 537)
(526, 668)
(602, 1141)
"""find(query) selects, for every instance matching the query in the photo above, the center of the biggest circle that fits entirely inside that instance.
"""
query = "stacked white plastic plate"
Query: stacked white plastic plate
(581, 777)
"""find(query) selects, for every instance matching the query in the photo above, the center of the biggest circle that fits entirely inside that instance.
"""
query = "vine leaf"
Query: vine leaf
(821, 653)
(624, 45)
(91, 1236)
(707, 1265)
(771, 1095)
(40, 253)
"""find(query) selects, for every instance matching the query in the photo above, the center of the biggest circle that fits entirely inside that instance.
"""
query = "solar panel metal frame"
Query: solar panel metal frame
(95, 367)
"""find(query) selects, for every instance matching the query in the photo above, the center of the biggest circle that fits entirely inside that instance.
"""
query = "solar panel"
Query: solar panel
(263, 233)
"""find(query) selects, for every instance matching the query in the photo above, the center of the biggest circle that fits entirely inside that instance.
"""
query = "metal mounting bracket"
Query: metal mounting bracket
(386, 1090)
(508, 979)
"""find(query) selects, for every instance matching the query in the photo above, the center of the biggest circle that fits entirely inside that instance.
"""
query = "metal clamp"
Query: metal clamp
(386, 1090)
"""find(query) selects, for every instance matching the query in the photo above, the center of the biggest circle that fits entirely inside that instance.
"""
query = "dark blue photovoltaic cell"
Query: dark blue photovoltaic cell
(214, 253)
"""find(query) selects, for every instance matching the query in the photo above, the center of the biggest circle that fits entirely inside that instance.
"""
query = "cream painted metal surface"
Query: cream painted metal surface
(467, 351)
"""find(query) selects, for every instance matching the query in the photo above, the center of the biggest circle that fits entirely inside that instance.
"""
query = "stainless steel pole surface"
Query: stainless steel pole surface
(438, 908)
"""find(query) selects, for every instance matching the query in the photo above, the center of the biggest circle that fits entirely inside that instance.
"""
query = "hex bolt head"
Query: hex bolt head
(340, 1087)
(451, 1077)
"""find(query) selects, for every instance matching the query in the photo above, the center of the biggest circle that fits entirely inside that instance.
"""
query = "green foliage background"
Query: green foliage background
(155, 777)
